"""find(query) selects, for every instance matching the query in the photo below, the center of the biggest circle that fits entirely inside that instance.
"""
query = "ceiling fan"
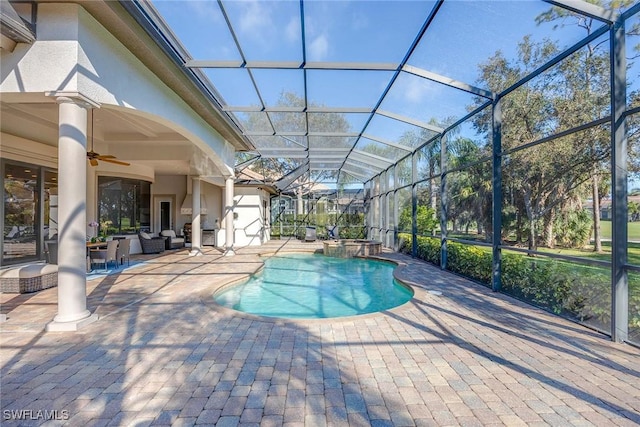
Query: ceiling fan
(94, 157)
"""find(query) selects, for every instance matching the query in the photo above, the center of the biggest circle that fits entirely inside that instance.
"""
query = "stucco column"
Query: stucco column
(228, 216)
(196, 229)
(72, 217)
(300, 203)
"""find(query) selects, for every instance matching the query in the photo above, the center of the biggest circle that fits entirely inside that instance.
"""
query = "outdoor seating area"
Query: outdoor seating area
(124, 251)
(456, 354)
(106, 255)
(172, 241)
(28, 278)
(113, 253)
(150, 244)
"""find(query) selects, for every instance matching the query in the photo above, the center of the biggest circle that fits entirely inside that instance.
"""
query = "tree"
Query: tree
(540, 179)
(587, 96)
(425, 219)
(634, 210)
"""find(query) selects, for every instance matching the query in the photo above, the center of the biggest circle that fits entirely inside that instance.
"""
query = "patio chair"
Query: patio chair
(105, 256)
(151, 245)
(172, 241)
(14, 233)
(122, 253)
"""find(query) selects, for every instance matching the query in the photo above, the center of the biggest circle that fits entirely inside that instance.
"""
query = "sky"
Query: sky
(463, 35)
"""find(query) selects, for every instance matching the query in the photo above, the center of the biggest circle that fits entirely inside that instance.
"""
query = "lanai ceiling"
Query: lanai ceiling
(342, 90)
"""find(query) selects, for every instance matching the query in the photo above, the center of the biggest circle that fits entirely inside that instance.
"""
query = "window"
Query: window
(124, 205)
(30, 211)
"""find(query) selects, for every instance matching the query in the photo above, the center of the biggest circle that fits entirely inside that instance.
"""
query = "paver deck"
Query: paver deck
(164, 353)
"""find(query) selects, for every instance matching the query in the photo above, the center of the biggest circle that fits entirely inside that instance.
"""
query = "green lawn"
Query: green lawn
(605, 226)
(587, 252)
(633, 230)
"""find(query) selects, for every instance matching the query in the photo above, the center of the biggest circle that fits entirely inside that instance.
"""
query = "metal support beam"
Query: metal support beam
(389, 143)
(283, 134)
(619, 156)
(497, 195)
(284, 182)
(342, 150)
(293, 65)
(443, 203)
(354, 174)
(410, 121)
(447, 81)
(395, 207)
(288, 109)
(366, 155)
(351, 174)
(350, 162)
(414, 205)
(381, 163)
(586, 9)
(240, 166)
(271, 155)
(384, 208)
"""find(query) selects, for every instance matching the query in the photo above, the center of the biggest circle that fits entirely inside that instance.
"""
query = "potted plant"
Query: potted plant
(94, 225)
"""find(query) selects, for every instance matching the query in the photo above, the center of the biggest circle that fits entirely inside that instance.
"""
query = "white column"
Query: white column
(228, 216)
(72, 217)
(300, 203)
(196, 229)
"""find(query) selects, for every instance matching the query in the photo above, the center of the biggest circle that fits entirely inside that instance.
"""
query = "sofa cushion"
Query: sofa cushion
(145, 235)
(168, 233)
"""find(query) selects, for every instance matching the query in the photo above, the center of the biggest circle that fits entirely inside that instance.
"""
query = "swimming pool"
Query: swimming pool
(313, 286)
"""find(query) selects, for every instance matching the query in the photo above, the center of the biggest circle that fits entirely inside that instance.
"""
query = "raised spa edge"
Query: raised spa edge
(350, 248)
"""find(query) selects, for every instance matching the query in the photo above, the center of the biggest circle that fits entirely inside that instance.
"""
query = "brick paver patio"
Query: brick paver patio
(163, 353)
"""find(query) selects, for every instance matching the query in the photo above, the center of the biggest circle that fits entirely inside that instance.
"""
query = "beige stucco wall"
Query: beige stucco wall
(250, 227)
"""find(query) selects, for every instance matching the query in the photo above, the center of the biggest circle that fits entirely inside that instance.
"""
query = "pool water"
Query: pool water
(313, 286)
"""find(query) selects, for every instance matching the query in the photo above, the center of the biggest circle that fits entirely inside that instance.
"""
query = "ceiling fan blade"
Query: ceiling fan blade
(93, 162)
(105, 156)
(117, 162)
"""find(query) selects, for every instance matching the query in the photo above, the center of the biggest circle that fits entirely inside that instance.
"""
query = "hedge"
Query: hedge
(579, 292)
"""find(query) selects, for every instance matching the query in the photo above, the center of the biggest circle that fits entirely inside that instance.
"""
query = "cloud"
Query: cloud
(292, 30)
(359, 22)
(255, 19)
(204, 11)
(319, 48)
(415, 90)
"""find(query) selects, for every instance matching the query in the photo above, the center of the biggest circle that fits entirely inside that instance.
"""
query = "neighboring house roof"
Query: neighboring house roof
(247, 174)
(251, 178)
(606, 202)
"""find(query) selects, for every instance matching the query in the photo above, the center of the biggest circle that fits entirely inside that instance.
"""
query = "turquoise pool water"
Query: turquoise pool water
(311, 286)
